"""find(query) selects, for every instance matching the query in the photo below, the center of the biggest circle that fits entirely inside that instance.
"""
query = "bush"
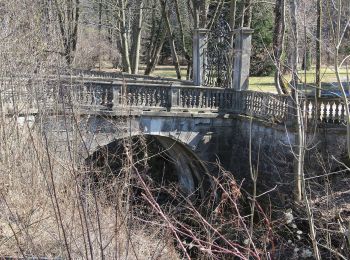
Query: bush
(262, 23)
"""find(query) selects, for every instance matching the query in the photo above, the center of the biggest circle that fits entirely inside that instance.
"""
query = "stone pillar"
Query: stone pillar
(199, 55)
(243, 47)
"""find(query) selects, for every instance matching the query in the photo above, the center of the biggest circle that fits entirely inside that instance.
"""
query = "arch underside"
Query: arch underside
(191, 174)
(181, 139)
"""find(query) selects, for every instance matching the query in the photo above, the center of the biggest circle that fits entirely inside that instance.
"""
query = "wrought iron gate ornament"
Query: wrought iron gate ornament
(218, 65)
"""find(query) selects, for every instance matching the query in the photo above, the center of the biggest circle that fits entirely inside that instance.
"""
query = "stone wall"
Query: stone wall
(212, 139)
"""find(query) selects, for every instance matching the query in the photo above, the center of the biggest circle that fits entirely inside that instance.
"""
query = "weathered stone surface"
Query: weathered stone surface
(205, 141)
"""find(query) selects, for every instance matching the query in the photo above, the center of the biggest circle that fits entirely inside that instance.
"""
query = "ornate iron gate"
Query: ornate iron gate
(218, 66)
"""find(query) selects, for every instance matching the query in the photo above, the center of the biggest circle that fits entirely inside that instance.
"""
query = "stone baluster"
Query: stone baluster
(236, 101)
(201, 99)
(341, 112)
(100, 95)
(322, 112)
(250, 103)
(148, 96)
(290, 112)
(88, 95)
(190, 98)
(109, 95)
(334, 112)
(232, 102)
(310, 110)
(187, 98)
(337, 112)
(207, 98)
(270, 107)
(225, 100)
(117, 95)
(221, 99)
(274, 106)
(165, 98)
(328, 111)
(94, 92)
(174, 97)
(245, 102)
(153, 102)
(264, 110)
(271, 103)
(215, 99)
(103, 95)
(284, 112)
(239, 100)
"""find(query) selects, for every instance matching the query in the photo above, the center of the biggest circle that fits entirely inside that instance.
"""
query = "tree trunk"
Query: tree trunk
(247, 14)
(278, 42)
(203, 13)
(68, 18)
(124, 38)
(137, 40)
(216, 15)
(183, 43)
(318, 48)
(195, 13)
(99, 32)
(233, 10)
(200, 11)
(300, 153)
(306, 65)
(300, 138)
(295, 43)
(155, 57)
(174, 55)
(156, 26)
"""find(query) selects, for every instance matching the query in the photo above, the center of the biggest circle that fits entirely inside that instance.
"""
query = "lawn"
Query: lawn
(266, 83)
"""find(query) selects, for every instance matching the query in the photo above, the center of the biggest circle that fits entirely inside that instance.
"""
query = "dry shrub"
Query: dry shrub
(52, 205)
(95, 49)
(46, 209)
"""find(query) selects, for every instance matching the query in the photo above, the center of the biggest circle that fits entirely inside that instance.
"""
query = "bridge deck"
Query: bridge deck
(133, 95)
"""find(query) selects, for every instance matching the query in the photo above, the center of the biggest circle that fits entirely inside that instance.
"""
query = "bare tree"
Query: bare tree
(318, 48)
(124, 36)
(247, 13)
(339, 29)
(157, 37)
(182, 37)
(68, 19)
(136, 46)
(174, 55)
(278, 42)
(233, 10)
(295, 38)
(200, 12)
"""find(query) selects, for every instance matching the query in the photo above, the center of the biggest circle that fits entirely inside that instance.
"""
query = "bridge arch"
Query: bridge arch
(180, 164)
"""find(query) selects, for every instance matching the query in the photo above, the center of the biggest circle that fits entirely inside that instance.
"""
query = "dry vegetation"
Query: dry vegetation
(53, 206)
(56, 206)
(48, 210)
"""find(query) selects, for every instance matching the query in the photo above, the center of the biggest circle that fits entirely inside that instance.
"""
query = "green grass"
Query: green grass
(266, 83)
(168, 73)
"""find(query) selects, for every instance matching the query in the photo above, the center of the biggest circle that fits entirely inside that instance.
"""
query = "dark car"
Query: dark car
(333, 93)
(331, 90)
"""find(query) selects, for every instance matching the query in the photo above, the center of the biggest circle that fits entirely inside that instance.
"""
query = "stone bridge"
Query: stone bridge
(198, 127)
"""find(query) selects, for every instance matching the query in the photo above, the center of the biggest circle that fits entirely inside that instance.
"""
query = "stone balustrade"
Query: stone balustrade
(116, 96)
(325, 110)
